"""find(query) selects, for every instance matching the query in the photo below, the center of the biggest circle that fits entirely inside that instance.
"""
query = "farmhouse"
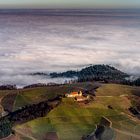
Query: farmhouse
(74, 94)
(81, 98)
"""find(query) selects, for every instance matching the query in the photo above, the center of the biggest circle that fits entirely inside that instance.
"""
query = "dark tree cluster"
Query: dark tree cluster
(8, 87)
(68, 74)
(132, 83)
(5, 127)
(104, 73)
(41, 85)
(39, 73)
(35, 85)
(101, 73)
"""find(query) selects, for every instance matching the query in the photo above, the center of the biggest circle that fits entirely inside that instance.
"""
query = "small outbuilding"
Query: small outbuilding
(74, 94)
(81, 98)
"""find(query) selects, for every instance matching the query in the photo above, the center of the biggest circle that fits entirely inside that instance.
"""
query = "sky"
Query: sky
(69, 4)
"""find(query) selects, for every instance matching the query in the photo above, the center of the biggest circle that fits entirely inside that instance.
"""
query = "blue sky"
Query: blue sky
(69, 3)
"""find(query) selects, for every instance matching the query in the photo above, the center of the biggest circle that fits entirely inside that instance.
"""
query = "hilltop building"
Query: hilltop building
(74, 94)
(78, 96)
(81, 98)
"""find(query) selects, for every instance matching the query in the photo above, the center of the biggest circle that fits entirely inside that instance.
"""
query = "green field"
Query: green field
(71, 120)
(116, 90)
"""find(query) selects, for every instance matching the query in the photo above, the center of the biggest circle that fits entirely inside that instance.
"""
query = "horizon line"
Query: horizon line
(69, 8)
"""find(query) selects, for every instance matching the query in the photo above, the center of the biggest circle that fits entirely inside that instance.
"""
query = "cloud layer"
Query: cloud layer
(59, 43)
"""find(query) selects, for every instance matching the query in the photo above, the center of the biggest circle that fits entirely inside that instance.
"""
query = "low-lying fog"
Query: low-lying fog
(39, 43)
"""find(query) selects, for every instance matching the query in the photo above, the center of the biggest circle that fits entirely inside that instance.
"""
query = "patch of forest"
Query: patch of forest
(94, 72)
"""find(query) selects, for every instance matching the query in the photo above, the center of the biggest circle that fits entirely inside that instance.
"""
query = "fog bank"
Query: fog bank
(39, 43)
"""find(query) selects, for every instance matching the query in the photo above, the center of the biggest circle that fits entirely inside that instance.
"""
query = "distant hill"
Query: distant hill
(105, 73)
(8, 87)
(94, 72)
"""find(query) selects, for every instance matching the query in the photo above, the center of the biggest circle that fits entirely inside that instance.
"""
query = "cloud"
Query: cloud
(59, 43)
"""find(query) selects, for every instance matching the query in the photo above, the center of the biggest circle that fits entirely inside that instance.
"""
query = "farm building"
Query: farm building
(81, 98)
(74, 94)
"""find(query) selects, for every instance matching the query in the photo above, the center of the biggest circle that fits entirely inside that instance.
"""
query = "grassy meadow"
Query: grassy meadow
(71, 120)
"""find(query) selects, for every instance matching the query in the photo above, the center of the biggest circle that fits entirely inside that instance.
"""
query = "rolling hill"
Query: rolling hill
(71, 120)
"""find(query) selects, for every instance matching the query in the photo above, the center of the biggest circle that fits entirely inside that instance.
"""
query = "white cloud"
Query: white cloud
(39, 43)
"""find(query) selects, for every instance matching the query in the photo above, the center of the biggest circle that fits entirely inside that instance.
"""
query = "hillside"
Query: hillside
(94, 72)
(112, 101)
(79, 120)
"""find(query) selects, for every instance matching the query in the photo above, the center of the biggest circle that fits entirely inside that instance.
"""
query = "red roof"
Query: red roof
(74, 93)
